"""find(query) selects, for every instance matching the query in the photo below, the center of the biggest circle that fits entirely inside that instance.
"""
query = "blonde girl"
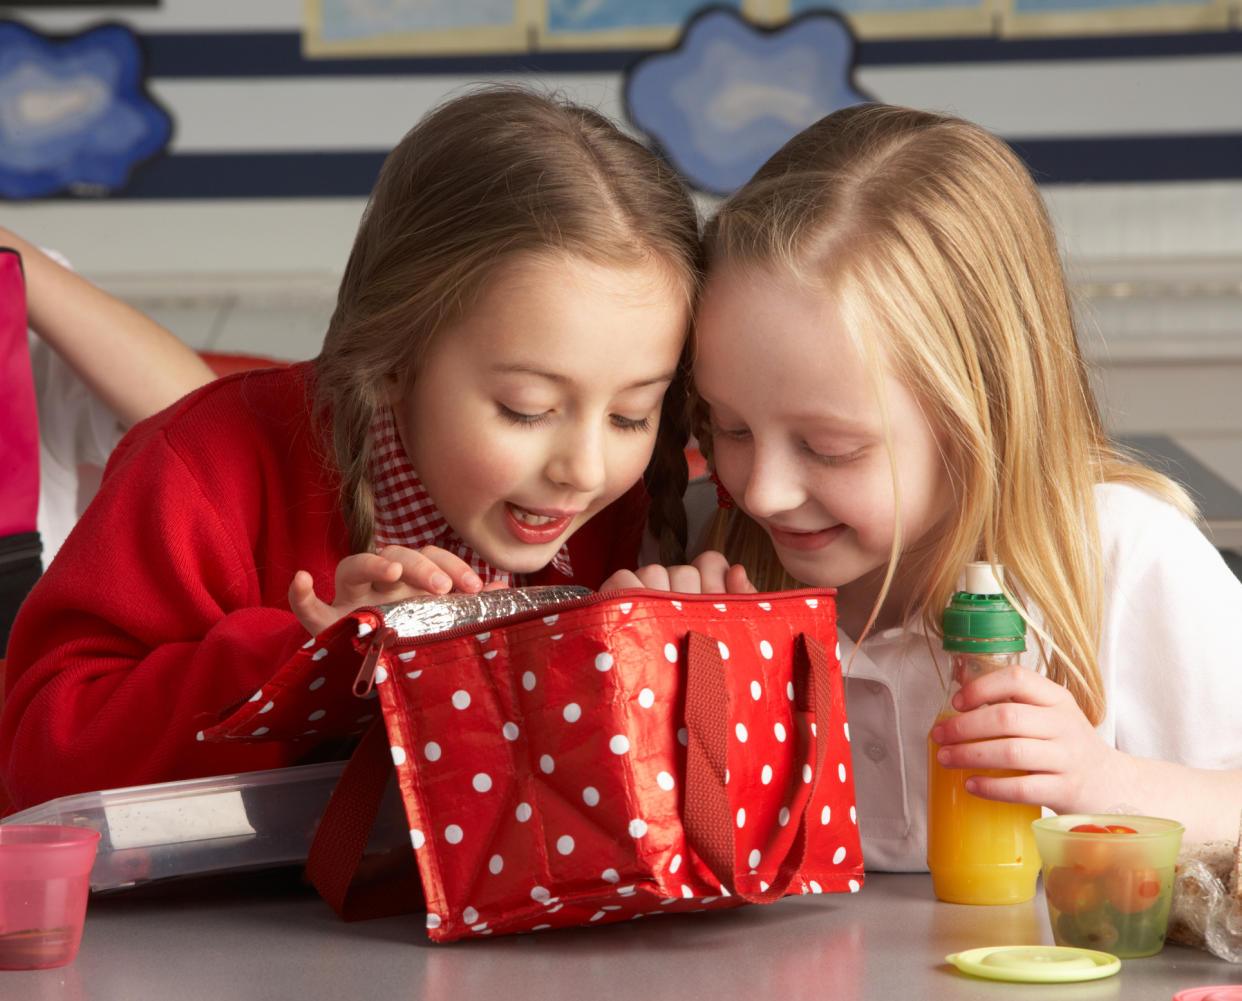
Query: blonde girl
(890, 385)
(498, 401)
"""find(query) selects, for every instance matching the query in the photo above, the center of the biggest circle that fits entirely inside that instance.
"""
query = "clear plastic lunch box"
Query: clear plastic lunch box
(253, 820)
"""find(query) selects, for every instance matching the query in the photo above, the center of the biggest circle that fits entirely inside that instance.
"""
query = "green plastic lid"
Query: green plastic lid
(980, 619)
(1036, 964)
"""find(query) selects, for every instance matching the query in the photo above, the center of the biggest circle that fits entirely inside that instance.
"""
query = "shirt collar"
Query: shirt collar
(405, 514)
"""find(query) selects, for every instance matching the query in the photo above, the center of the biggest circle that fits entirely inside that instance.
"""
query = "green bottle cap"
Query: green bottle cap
(981, 619)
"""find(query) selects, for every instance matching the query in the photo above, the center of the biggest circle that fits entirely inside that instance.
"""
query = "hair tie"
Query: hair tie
(723, 500)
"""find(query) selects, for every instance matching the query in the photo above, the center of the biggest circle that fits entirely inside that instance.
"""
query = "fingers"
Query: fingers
(358, 577)
(712, 569)
(738, 582)
(1004, 719)
(688, 580)
(433, 570)
(1031, 754)
(721, 577)
(1033, 788)
(302, 593)
(1009, 684)
(709, 574)
(621, 580)
(654, 577)
(314, 615)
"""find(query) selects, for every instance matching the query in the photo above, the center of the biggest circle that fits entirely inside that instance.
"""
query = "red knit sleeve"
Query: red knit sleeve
(166, 605)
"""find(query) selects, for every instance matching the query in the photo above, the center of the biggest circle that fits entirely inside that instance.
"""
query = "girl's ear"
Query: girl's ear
(394, 388)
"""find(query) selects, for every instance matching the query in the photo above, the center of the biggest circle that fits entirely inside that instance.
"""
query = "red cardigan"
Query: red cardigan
(168, 601)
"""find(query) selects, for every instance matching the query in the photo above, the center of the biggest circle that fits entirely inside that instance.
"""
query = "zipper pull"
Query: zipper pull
(380, 641)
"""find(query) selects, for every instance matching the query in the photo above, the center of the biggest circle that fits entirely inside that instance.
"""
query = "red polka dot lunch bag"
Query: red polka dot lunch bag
(569, 758)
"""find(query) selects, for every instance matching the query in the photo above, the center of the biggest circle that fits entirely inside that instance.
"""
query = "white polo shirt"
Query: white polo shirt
(1170, 655)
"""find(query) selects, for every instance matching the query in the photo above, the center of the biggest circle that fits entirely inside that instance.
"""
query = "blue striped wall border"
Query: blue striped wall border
(352, 174)
(265, 54)
(233, 55)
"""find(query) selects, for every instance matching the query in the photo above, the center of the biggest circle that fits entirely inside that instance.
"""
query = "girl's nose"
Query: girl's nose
(772, 486)
(577, 459)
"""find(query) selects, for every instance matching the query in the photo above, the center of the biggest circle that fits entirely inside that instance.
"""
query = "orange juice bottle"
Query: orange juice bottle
(979, 851)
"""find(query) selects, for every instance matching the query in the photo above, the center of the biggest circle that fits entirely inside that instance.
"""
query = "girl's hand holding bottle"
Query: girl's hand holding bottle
(1015, 718)
(392, 574)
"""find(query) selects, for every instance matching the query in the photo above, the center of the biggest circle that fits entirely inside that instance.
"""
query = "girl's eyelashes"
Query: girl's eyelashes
(631, 424)
(521, 419)
(733, 434)
(619, 421)
(838, 459)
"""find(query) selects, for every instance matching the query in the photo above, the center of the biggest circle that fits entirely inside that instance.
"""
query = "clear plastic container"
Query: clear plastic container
(252, 820)
(44, 883)
(1108, 880)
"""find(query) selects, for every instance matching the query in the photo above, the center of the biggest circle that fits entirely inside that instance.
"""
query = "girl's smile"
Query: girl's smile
(785, 538)
(535, 529)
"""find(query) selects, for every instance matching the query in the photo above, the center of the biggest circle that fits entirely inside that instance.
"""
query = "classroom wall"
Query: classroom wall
(225, 103)
(1156, 261)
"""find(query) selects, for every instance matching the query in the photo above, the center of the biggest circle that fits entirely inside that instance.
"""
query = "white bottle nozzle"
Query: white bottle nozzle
(983, 578)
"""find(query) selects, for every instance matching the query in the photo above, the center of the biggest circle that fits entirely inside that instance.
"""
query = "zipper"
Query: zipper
(386, 638)
(381, 640)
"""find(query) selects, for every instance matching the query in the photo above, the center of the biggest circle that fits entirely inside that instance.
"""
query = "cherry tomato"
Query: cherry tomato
(1132, 890)
(1072, 889)
(1103, 829)
(1091, 854)
(1083, 848)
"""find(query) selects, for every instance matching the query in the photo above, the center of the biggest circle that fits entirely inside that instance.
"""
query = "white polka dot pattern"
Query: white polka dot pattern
(536, 754)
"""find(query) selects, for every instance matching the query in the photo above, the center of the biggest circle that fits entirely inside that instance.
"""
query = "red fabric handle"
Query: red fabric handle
(708, 819)
(335, 864)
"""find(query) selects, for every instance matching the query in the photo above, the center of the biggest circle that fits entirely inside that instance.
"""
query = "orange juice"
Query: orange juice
(979, 851)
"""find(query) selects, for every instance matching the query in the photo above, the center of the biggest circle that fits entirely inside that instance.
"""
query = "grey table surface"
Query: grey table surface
(265, 936)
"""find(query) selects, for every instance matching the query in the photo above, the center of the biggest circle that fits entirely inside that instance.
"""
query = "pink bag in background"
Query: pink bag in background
(20, 563)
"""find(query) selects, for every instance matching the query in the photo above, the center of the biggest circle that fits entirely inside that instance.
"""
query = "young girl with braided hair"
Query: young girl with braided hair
(498, 401)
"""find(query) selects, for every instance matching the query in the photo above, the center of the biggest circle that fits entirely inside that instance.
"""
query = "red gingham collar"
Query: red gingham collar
(405, 514)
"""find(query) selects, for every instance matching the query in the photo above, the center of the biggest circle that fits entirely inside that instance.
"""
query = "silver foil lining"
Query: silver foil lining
(415, 617)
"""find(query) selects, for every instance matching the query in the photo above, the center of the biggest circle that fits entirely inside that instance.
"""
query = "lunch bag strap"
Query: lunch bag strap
(709, 820)
(336, 864)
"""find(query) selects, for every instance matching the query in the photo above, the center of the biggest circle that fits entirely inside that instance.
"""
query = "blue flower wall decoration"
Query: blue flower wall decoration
(74, 115)
(730, 94)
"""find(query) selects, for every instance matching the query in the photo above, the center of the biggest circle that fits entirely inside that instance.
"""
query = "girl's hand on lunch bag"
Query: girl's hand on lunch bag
(395, 573)
(710, 573)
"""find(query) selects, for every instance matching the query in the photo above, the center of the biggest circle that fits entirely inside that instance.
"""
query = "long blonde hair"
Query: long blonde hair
(498, 172)
(936, 248)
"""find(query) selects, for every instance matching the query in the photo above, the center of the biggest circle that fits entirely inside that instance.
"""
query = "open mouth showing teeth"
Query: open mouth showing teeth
(530, 518)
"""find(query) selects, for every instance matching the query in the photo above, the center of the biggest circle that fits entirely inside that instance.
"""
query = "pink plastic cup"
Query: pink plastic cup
(45, 873)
